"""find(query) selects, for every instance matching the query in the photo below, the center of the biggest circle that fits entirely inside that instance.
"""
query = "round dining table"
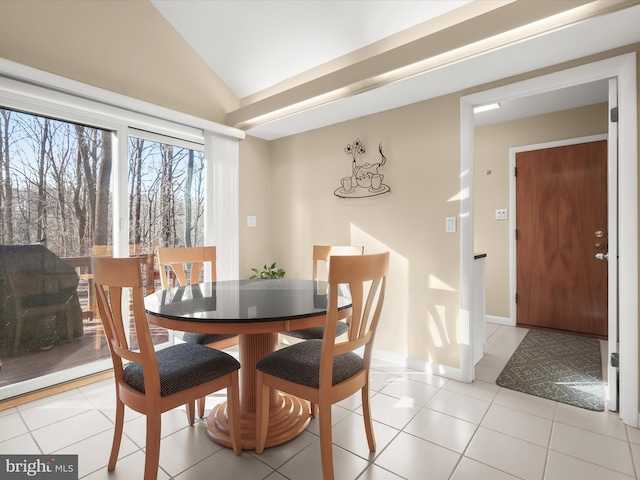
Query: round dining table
(256, 310)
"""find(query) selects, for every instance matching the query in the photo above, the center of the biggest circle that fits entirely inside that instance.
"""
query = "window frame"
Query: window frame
(33, 91)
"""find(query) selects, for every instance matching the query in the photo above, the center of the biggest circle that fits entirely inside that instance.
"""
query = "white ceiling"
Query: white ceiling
(252, 45)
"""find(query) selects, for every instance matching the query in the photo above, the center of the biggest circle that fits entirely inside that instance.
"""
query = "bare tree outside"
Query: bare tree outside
(136, 149)
(6, 192)
(87, 159)
(102, 190)
(55, 179)
(187, 201)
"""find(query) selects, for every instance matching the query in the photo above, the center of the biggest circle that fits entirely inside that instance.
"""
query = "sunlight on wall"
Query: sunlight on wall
(393, 330)
(428, 340)
(437, 329)
(461, 195)
(442, 339)
(435, 283)
(436, 319)
(464, 193)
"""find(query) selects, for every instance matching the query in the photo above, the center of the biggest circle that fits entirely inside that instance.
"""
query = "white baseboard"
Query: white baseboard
(432, 367)
(418, 364)
(500, 320)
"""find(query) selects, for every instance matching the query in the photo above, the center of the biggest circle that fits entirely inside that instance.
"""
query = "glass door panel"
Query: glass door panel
(166, 202)
(54, 205)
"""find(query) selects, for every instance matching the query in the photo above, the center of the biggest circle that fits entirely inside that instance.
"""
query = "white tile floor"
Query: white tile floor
(426, 427)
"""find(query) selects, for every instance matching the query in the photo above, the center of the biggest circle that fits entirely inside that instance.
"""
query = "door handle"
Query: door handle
(602, 256)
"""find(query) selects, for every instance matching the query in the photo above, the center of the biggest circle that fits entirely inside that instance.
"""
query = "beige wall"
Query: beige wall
(422, 170)
(123, 46)
(255, 183)
(491, 152)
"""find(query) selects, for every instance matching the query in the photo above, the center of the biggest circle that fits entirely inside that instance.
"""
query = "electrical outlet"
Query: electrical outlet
(501, 214)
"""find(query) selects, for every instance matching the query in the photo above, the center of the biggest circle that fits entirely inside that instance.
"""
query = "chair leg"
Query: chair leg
(117, 435)
(152, 457)
(201, 403)
(233, 406)
(313, 409)
(191, 411)
(326, 452)
(262, 412)
(368, 424)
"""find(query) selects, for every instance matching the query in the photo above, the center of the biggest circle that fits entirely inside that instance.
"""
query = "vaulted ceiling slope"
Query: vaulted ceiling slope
(299, 65)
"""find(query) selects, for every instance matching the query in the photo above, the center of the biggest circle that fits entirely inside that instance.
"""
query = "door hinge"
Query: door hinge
(516, 298)
(615, 360)
(515, 171)
(614, 114)
(516, 233)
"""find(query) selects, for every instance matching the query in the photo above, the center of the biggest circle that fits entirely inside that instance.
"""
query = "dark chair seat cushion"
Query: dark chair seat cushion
(203, 338)
(183, 366)
(300, 363)
(316, 333)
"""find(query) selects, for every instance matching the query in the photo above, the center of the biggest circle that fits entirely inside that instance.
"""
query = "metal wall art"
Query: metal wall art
(365, 179)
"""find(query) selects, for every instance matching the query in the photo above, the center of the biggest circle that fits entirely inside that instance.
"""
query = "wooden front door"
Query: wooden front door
(561, 224)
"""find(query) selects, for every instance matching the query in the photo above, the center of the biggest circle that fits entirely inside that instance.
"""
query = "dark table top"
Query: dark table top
(244, 301)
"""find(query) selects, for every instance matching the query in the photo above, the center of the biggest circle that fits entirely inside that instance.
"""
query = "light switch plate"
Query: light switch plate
(450, 225)
(251, 221)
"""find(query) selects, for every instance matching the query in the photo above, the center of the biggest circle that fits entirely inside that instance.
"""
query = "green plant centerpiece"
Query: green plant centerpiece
(267, 272)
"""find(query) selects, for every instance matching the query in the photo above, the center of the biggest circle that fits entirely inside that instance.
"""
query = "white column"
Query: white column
(466, 242)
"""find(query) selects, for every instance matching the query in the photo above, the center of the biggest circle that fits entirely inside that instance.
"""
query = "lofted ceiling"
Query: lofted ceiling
(255, 44)
(262, 48)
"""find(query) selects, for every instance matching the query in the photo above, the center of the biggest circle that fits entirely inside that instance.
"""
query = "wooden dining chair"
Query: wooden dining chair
(153, 382)
(321, 255)
(186, 265)
(327, 371)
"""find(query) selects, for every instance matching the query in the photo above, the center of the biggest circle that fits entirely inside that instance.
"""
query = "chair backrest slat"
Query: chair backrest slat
(185, 260)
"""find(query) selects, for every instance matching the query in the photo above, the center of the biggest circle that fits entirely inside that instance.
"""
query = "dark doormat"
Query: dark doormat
(561, 367)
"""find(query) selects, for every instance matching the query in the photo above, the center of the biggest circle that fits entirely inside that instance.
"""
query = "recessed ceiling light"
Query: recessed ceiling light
(486, 108)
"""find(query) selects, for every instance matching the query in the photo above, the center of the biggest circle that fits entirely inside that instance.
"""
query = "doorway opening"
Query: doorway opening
(623, 69)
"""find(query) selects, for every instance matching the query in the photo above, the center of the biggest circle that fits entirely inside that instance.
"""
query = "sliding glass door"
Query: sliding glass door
(56, 211)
